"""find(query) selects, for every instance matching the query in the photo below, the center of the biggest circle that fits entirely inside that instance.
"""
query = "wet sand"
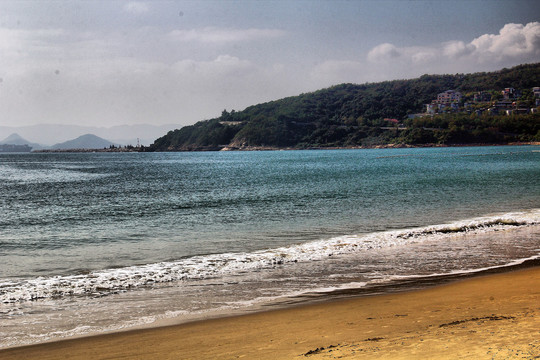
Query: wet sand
(487, 317)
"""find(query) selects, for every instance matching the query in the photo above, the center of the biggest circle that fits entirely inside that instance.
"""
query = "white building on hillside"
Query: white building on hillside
(448, 97)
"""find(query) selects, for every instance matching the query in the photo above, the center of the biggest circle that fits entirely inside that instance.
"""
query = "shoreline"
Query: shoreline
(19, 333)
(366, 147)
(272, 148)
(480, 310)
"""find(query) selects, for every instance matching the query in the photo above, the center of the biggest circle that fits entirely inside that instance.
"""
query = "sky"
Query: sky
(107, 63)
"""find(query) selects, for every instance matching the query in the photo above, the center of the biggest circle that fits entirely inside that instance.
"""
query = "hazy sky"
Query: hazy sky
(105, 63)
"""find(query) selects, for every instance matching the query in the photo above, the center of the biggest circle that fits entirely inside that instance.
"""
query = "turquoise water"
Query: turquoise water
(192, 233)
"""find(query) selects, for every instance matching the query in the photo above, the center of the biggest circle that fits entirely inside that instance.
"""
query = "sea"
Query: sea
(92, 243)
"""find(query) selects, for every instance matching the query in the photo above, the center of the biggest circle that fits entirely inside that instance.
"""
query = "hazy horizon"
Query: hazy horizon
(53, 134)
(107, 64)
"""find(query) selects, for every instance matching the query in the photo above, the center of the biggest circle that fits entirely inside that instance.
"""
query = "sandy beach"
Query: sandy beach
(488, 317)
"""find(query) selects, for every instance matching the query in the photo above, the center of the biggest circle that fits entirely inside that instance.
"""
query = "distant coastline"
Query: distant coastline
(131, 149)
(382, 146)
(11, 148)
(274, 148)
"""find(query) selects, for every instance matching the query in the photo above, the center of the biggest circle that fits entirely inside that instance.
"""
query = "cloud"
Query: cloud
(20, 40)
(136, 7)
(514, 44)
(112, 78)
(422, 56)
(383, 52)
(513, 41)
(114, 90)
(220, 35)
(222, 68)
(151, 74)
(456, 49)
(24, 50)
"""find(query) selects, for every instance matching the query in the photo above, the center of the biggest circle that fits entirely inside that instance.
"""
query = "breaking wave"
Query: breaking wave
(109, 281)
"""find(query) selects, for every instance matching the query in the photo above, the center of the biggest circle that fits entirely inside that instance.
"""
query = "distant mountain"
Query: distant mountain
(16, 139)
(88, 141)
(49, 134)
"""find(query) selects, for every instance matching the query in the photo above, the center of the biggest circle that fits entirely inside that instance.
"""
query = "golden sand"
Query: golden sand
(490, 317)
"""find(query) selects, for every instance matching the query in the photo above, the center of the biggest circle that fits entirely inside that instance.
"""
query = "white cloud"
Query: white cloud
(222, 68)
(154, 75)
(456, 49)
(115, 89)
(513, 41)
(136, 7)
(20, 40)
(112, 78)
(220, 35)
(383, 52)
(423, 56)
(514, 44)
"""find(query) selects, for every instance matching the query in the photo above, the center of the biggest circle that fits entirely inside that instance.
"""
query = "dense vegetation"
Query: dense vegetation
(353, 115)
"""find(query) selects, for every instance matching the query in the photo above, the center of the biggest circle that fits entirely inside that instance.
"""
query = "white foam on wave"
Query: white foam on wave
(24, 338)
(104, 282)
(462, 271)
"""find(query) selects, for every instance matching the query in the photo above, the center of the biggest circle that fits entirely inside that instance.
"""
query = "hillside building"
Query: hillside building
(536, 91)
(509, 93)
(448, 97)
(431, 108)
(482, 96)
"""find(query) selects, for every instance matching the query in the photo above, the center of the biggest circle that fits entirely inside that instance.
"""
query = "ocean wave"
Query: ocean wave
(47, 175)
(109, 281)
(462, 271)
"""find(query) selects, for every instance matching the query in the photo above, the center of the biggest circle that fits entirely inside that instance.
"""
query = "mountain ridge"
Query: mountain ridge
(87, 141)
(352, 115)
(51, 134)
(16, 139)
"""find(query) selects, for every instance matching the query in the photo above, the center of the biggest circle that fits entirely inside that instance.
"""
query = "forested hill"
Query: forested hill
(354, 115)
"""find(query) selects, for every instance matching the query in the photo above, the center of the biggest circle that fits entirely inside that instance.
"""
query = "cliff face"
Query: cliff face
(351, 115)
